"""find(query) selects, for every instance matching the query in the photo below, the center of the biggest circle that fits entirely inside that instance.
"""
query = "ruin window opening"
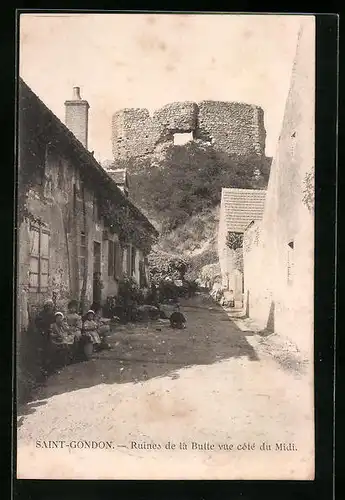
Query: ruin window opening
(182, 138)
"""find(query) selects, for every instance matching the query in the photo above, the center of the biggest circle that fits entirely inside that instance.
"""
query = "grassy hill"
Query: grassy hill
(179, 189)
(195, 240)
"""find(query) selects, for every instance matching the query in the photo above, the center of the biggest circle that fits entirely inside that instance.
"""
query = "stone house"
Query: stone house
(78, 233)
(237, 209)
(280, 289)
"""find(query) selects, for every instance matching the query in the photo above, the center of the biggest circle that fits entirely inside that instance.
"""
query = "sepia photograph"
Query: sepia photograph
(165, 246)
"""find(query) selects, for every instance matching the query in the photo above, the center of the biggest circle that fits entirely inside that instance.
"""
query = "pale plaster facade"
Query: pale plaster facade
(279, 252)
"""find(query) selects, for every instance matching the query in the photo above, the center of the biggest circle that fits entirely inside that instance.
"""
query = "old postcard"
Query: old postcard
(165, 321)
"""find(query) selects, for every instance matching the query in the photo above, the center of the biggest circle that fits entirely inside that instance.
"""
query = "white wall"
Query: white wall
(286, 216)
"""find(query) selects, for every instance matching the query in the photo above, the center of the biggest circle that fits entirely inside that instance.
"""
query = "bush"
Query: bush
(125, 304)
(129, 291)
(165, 266)
(211, 274)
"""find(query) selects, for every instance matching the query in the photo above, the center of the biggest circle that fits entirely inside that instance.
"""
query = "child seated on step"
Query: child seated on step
(73, 319)
(97, 328)
(75, 324)
(62, 340)
(103, 327)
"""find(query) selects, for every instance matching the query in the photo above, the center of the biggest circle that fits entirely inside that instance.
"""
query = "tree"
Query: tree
(165, 266)
(234, 240)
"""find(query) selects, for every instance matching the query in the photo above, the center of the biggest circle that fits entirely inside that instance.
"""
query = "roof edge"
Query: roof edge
(91, 159)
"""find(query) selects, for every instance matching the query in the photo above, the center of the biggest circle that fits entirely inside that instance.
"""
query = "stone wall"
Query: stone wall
(231, 127)
(133, 133)
(56, 204)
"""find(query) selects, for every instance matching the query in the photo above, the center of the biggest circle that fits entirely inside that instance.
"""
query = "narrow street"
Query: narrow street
(214, 387)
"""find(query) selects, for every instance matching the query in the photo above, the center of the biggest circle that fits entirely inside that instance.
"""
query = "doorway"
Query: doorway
(238, 288)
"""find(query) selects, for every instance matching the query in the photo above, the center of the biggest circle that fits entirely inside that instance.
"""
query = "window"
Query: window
(114, 259)
(110, 258)
(125, 260)
(39, 259)
(290, 262)
(82, 255)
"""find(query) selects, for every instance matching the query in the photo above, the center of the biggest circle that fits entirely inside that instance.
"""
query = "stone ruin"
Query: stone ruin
(229, 127)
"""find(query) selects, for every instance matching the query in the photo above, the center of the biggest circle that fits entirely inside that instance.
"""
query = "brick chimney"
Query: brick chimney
(77, 116)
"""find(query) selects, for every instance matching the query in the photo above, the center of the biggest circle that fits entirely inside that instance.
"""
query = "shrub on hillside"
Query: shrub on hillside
(211, 274)
(196, 263)
(187, 180)
(193, 235)
(165, 266)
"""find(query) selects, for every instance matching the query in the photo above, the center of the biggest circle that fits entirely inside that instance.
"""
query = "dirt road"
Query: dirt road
(211, 401)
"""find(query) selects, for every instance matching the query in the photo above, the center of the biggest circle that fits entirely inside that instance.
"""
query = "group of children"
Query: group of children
(65, 335)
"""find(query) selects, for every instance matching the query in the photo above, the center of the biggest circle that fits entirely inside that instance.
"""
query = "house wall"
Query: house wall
(286, 305)
(56, 199)
(231, 271)
(230, 262)
(225, 254)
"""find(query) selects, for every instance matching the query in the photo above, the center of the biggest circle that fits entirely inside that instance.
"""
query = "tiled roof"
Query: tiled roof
(118, 175)
(242, 206)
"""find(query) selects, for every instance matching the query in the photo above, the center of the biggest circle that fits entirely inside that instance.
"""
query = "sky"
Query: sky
(148, 60)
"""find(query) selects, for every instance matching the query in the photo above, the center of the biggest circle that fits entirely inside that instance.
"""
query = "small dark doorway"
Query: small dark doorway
(97, 285)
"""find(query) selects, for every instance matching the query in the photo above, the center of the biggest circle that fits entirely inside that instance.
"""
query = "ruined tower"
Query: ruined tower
(231, 127)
